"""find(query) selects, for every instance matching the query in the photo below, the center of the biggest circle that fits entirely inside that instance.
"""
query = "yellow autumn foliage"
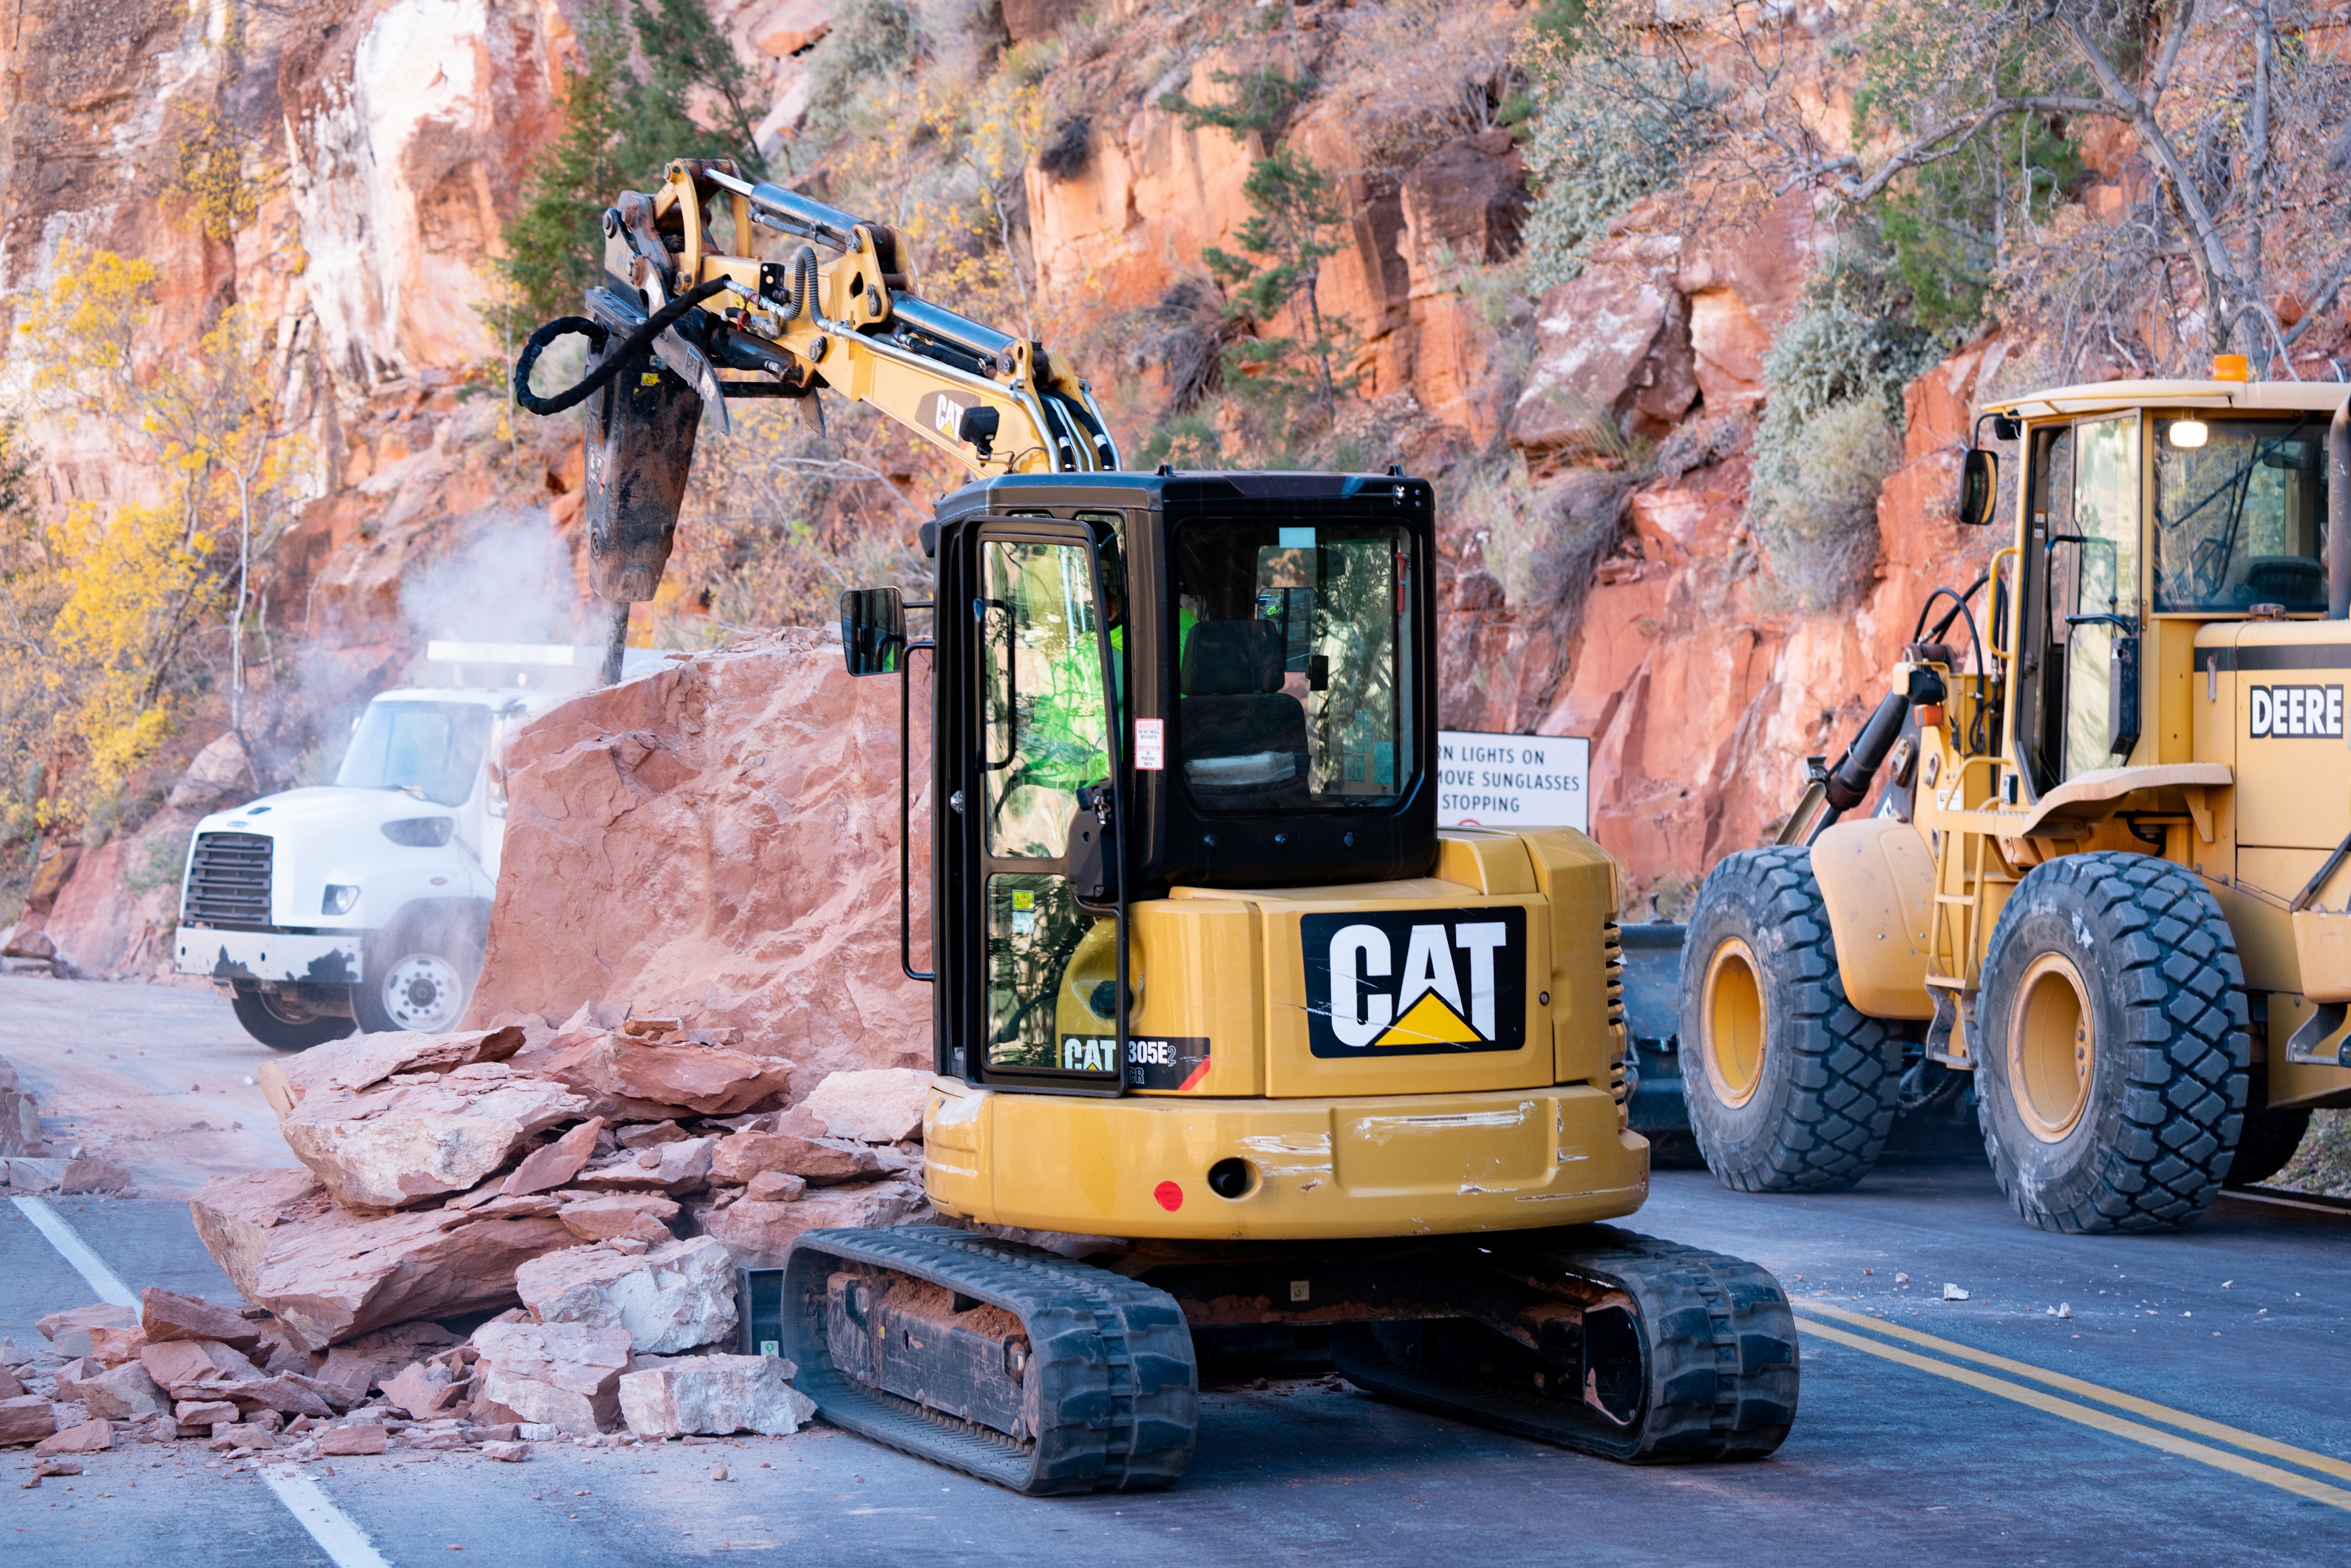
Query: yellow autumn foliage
(116, 612)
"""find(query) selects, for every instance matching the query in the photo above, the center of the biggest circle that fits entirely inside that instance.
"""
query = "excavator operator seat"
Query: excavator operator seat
(1242, 738)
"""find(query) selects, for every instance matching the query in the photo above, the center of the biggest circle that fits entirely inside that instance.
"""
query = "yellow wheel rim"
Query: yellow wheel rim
(2052, 1048)
(1733, 1014)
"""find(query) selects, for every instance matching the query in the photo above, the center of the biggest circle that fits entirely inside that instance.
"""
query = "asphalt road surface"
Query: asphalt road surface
(2205, 1420)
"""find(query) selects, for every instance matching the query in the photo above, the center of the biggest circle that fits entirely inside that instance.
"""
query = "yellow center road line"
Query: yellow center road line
(2170, 1442)
(2234, 1436)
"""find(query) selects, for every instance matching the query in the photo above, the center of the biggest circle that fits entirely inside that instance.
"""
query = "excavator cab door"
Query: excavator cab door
(1030, 902)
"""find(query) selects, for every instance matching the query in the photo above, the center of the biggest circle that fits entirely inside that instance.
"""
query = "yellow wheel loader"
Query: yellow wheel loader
(2105, 874)
(1218, 1005)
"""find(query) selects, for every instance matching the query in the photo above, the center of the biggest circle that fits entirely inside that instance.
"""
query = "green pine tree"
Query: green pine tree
(1291, 230)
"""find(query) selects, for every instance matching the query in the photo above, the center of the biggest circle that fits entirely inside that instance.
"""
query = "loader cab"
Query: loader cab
(2145, 509)
(1144, 683)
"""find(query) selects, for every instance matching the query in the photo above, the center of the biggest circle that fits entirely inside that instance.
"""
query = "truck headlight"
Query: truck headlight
(421, 832)
(341, 897)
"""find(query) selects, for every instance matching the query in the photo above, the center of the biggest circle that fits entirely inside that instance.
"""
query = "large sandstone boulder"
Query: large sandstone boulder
(718, 843)
(331, 1275)
(423, 1135)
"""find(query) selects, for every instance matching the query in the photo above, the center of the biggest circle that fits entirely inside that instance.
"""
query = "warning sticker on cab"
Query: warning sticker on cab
(1415, 982)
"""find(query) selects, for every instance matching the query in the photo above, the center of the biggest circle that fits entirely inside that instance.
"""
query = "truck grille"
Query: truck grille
(228, 880)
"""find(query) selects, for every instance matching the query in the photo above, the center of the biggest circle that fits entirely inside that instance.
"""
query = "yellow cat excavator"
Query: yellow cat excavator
(1210, 980)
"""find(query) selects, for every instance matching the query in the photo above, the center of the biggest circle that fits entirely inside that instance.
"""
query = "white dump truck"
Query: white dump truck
(365, 903)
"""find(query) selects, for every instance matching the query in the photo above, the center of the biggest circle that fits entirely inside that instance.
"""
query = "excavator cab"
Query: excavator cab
(1151, 681)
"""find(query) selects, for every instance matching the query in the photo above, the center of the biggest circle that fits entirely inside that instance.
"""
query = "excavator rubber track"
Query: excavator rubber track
(1673, 1354)
(1006, 1361)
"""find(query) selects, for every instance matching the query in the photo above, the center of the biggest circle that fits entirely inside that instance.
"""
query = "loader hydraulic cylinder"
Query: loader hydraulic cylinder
(1849, 780)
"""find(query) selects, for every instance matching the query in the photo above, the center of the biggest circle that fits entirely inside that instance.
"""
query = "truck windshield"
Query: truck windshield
(1294, 648)
(432, 750)
(2239, 513)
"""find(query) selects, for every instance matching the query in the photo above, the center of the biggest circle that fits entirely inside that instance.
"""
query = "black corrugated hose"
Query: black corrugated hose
(598, 335)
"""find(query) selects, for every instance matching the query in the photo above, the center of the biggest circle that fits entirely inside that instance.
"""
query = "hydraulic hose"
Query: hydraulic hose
(599, 335)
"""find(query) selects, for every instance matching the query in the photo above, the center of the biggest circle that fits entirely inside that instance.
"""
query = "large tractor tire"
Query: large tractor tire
(1789, 1088)
(2111, 1043)
(2267, 1144)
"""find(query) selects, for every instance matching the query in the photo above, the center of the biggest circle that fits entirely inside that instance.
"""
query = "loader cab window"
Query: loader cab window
(2239, 513)
(1044, 731)
(1293, 659)
(2083, 556)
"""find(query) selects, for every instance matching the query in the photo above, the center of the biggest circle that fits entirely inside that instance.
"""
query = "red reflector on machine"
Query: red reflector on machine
(1170, 1196)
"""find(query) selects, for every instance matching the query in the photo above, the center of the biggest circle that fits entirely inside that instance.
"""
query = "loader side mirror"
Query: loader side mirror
(1978, 488)
(872, 631)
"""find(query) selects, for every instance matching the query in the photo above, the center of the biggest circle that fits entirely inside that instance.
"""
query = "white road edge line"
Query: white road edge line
(76, 1251)
(336, 1533)
(342, 1538)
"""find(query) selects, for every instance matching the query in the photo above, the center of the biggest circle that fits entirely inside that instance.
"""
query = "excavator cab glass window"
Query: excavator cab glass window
(1051, 986)
(1294, 658)
(2239, 513)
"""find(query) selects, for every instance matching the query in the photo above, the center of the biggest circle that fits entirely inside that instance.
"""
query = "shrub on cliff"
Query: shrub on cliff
(1832, 428)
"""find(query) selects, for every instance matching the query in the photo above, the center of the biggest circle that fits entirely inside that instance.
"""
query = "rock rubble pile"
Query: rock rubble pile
(591, 1190)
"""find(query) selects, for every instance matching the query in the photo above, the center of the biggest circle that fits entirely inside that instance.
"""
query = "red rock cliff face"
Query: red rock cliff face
(719, 843)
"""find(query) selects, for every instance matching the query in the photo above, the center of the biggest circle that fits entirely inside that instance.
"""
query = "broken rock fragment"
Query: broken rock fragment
(565, 1376)
(758, 1235)
(341, 1442)
(360, 1060)
(796, 1143)
(166, 1315)
(68, 1331)
(644, 1215)
(124, 1394)
(28, 1418)
(89, 1438)
(197, 1368)
(710, 1080)
(712, 1396)
(425, 1391)
(671, 1169)
(544, 1169)
(668, 1299)
(330, 1275)
(875, 1105)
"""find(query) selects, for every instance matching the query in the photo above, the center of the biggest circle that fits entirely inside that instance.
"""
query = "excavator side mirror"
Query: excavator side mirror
(1978, 488)
(872, 631)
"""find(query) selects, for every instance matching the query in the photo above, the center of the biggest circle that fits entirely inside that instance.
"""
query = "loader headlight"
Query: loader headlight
(2187, 433)
(341, 897)
(421, 832)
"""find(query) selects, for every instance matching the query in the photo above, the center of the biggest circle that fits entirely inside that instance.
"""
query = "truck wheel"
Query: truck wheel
(415, 981)
(281, 1027)
(1789, 1088)
(2111, 1045)
(2266, 1145)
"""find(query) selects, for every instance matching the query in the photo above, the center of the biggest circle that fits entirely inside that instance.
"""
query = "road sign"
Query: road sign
(1513, 780)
